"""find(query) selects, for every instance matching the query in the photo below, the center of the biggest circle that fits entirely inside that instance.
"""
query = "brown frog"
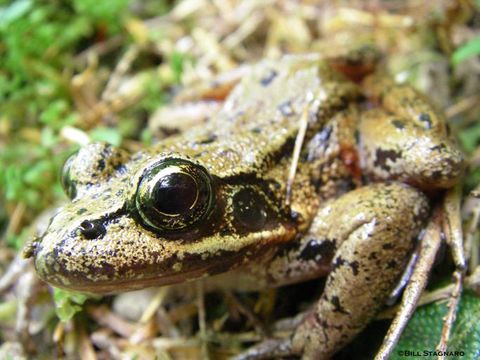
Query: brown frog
(219, 198)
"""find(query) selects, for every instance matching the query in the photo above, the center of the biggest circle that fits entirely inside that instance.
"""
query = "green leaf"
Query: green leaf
(38, 172)
(177, 62)
(67, 303)
(466, 51)
(423, 331)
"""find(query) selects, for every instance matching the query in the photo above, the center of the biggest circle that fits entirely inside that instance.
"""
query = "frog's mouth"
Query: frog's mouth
(127, 257)
(100, 280)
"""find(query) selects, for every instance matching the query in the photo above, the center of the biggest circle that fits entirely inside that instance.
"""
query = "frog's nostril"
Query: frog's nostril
(92, 229)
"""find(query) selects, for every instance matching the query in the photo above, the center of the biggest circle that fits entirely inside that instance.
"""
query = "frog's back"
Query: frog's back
(261, 117)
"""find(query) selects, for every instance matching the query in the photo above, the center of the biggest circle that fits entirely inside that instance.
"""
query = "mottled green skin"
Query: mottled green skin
(339, 222)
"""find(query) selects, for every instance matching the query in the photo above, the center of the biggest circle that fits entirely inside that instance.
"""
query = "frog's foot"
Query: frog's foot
(417, 281)
(373, 230)
(428, 250)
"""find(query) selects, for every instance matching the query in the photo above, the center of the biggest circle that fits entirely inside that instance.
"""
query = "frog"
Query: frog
(374, 157)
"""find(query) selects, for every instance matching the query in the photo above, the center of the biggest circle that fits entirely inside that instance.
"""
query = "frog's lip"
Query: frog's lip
(54, 265)
(52, 271)
(77, 282)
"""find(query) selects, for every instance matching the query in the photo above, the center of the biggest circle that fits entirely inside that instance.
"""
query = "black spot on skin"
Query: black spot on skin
(249, 210)
(387, 246)
(319, 143)
(340, 262)
(256, 130)
(276, 186)
(318, 250)
(120, 168)
(208, 140)
(437, 174)
(296, 217)
(392, 264)
(324, 135)
(354, 266)
(119, 193)
(92, 229)
(399, 124)
(199, 154)
(289, 247)
(439, 147)
(268, 78)
(382, 156)
(101, 164)
(325, 325)
(426, 120)
(372, 256)
(286, 108)
(81, 211)
(337, 306)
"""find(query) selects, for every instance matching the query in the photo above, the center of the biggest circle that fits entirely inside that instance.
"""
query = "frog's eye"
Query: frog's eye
(174, 194)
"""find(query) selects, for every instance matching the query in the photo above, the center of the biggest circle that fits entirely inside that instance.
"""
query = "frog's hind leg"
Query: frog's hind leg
(374, 230)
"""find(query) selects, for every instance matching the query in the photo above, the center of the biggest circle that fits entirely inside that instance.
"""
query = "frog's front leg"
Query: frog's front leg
(374, 230)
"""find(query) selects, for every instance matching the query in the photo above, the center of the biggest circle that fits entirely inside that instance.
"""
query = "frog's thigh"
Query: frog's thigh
(373, 229)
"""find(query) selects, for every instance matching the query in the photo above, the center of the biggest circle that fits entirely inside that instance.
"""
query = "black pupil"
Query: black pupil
(175, 193)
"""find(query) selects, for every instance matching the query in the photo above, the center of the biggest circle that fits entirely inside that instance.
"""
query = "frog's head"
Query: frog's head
(145, 220)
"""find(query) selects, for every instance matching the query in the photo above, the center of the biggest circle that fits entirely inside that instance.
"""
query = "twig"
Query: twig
(99, 49)
(248, 313)
(154, 304)
(120, 70)
(452, 227)
(298, 148)
(462, 106)
(202, 323)
(449, 319)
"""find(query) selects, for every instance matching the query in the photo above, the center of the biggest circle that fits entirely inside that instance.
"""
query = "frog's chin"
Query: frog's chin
(55, 275)
(115, 287)
(103, 280)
